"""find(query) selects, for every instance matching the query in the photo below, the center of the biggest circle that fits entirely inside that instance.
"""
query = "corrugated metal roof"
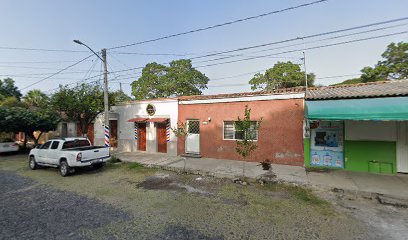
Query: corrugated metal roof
(362, 90)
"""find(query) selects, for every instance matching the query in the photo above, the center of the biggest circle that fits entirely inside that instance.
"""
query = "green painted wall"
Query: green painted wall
(358, 156)
(306, 151)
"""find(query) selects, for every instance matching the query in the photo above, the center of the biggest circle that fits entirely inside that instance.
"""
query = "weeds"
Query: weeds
(134, 166)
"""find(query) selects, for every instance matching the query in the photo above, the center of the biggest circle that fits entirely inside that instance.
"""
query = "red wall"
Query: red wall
(280, 136)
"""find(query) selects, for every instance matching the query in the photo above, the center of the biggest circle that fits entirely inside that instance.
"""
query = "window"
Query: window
(55, 144)
(46, 145)
(193, 127)
(231, 134)
(76, 143)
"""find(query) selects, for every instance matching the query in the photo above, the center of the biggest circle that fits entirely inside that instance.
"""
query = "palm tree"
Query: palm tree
(36, 99)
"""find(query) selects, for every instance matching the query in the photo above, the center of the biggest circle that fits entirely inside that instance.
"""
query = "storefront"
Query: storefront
(366, 132)
(143, 126)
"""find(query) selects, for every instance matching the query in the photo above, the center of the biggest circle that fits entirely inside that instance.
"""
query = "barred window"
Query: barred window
(232, 134)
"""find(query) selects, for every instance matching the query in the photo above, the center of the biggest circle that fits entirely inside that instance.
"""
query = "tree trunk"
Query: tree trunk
(25, 141)
(36, 139)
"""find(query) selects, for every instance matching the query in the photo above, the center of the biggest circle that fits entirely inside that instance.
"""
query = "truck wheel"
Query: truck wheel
(32, 164)
(64, 168)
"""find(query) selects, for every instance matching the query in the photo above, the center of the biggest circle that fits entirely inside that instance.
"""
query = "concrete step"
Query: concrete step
(191, 155)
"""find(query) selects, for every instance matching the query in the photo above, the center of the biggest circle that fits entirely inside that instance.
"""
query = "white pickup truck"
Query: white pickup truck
(68, 154)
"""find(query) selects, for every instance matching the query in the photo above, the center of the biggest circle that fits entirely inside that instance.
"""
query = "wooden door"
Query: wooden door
(161, 138)
(141, 137)
(113, 126)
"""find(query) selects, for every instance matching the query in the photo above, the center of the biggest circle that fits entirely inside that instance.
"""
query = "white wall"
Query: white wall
(370, 130)
(126, 141)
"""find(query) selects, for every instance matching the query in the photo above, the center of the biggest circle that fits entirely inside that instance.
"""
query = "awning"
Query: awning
(137, 120)
(380, 109)
(157, 120)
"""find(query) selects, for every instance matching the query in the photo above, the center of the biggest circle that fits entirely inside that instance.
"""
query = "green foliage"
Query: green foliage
(17, 119)
(36, 99)
(393, 67)
(246, 145)
(81, 103)
(119, 97)
(8, 89)
(134, 166)
(181, 130)
(349, 81)
(178, 79)
(281, 75)
(12, 102)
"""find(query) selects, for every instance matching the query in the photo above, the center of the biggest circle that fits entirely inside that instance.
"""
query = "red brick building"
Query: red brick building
(211, 129)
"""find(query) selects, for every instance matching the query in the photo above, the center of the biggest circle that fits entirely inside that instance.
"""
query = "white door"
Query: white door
(193, 136)
(402, 147)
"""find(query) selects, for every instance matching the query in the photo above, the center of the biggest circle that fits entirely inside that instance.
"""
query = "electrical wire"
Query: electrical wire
(310, 48)
(220, 25)
(56, 73)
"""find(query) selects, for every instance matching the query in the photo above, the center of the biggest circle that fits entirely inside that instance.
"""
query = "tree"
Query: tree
(18, 119)
(246, 145)
(281, 75)
(36, 99)
(8, 89)
(394, 66)
(120, 96)
(81, 103)
(180, 78)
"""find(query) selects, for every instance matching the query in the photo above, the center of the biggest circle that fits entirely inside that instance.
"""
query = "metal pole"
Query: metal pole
(105, 98)
(304, 65)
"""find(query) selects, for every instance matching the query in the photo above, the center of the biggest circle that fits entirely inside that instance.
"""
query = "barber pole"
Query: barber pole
(168, 131)
(135, 131)
(107, 136)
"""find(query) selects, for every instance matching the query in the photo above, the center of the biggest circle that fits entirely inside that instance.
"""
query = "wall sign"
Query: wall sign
(326, 148)
(150, 109)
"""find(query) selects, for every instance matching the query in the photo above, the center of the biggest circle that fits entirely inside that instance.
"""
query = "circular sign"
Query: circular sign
(150, 109)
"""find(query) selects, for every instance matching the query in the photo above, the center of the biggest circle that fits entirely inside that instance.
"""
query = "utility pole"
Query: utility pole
(120, 86)
(105, 89)
(105, 98)
(304, 65)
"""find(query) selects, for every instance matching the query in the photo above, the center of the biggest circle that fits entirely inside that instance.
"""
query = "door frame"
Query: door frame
(199, 136)
(402, 147)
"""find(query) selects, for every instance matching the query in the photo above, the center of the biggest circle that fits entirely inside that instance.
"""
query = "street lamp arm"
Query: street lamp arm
(81, 43)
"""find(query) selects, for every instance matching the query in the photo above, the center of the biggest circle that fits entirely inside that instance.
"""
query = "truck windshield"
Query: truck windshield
(76, 143)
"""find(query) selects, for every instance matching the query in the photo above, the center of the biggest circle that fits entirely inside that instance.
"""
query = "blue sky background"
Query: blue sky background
(54, 24)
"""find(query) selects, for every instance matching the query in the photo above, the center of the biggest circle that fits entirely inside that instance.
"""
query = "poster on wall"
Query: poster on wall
(326, 148)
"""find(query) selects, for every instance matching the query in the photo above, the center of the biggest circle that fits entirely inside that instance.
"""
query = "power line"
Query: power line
(56, 73)
(220, 25)
(287, 40)
(310, 48)
(298, 44)
(41, 49)
(305, 37)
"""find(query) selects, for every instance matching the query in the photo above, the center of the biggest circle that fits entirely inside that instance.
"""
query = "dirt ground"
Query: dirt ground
(128, 201)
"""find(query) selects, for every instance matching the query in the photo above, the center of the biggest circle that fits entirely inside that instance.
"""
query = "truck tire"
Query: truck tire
(64, 168)
(31, 163)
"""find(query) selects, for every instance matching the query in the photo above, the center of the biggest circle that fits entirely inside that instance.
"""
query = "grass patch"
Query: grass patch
(134, 166)
(114, 159)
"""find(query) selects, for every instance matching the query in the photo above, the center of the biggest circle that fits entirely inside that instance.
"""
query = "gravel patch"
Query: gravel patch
(32, 211)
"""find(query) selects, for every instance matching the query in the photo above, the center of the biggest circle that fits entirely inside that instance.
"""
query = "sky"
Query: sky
(48, 24)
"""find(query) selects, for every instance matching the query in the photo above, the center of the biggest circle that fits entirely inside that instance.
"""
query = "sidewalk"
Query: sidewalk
(393, 186)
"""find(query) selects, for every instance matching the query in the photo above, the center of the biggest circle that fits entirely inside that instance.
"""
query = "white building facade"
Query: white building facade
(141, 126)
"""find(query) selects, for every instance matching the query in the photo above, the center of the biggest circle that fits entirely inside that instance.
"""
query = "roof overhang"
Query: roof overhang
(157, 120)
(375, 109)
(138, 120)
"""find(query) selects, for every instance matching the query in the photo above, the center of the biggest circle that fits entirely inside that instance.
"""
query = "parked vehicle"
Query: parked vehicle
(68, 154)
(8, 145)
